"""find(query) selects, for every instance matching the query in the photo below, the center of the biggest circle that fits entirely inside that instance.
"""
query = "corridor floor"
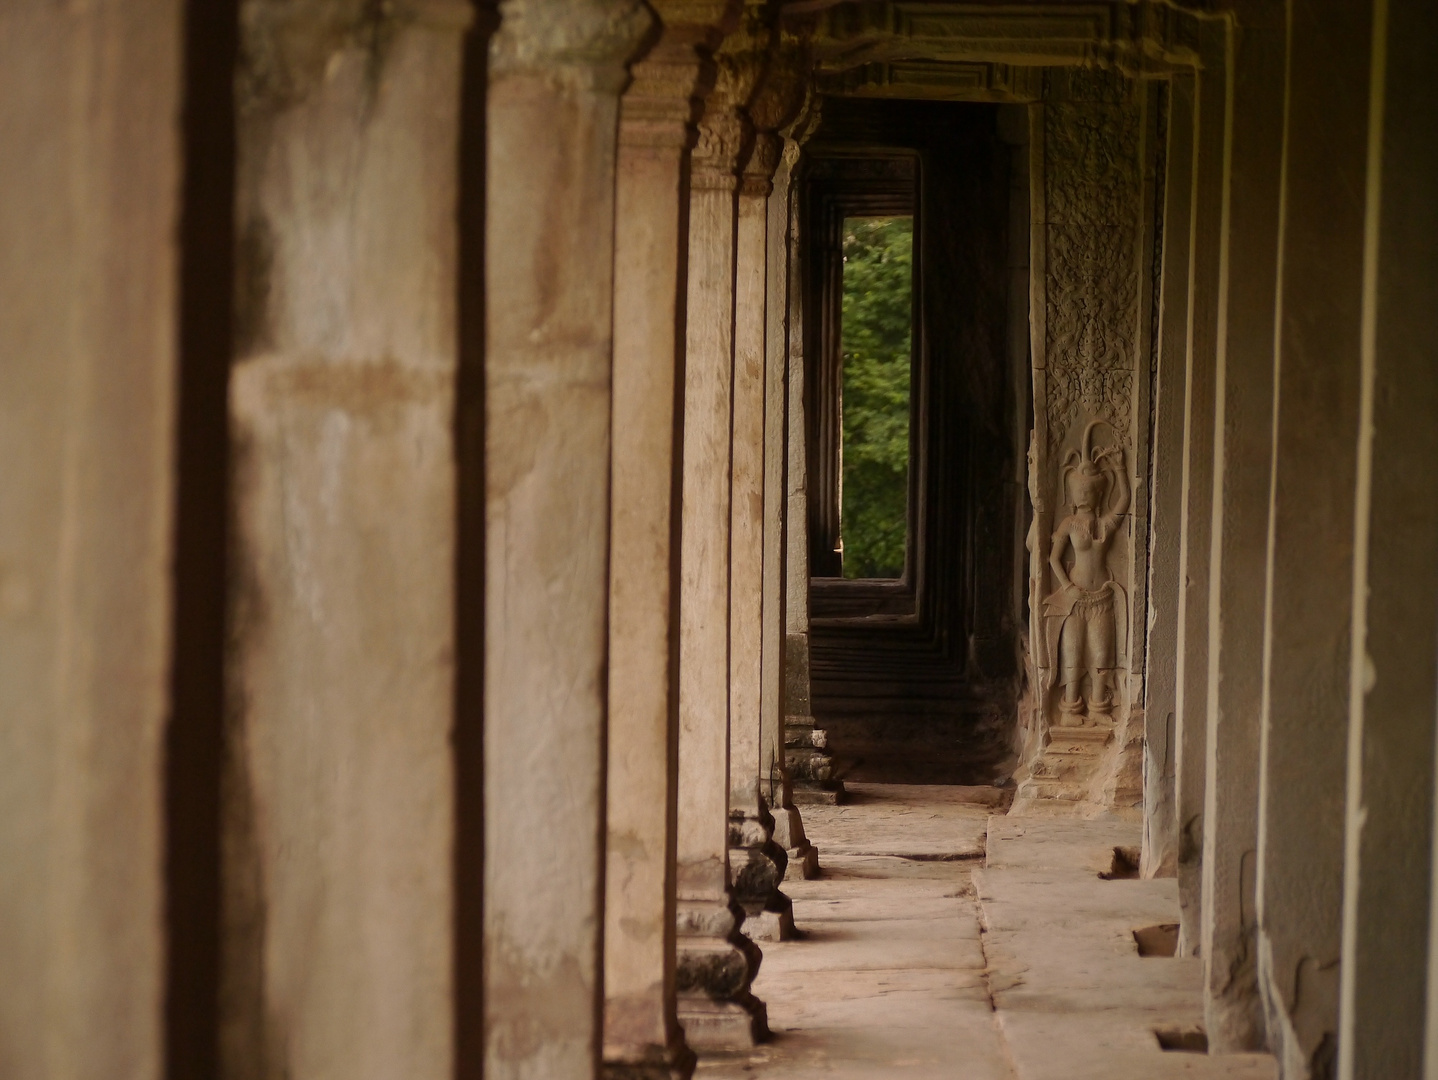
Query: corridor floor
(945, 940)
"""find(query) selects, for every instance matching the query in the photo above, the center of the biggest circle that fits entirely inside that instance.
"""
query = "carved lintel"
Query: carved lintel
(1141, 38)
(587, 43)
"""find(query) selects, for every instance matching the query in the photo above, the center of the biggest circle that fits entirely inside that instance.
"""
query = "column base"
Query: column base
(712, 1026)
(675, 1062)
(809, 764)
(759, 866)
(775, 922)
(715, 966)
(789, 834)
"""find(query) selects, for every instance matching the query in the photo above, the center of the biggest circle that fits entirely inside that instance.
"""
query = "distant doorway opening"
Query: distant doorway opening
(876, 338)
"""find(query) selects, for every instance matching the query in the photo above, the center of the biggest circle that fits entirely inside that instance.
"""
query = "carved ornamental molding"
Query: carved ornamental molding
(1141, 39)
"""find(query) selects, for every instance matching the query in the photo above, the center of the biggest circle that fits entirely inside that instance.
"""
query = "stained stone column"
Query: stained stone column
(759, 863)
(1238, 549)
(1160, 809)
(642, 1037)
(1304, 738)
(338, 794)
(89, 209)
(1390, 935)
(556, 72)
(1191, 672)
(776, 785)
(716, 962)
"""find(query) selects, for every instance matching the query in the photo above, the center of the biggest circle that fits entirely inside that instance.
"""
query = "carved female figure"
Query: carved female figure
(1084, 603)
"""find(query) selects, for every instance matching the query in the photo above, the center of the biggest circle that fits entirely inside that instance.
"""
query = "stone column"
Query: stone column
(759, 863)
(1160, 816)
(1390, 947)
(556, 72)
(777, 786)
(1304, 737)
(89, 210)
(338, 796)
(716, 962)
(642, 1037)
(810, 766)
(1238, 547)
(1191, 672)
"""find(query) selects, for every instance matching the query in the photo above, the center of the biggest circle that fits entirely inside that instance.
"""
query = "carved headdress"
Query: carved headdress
(1085, 478)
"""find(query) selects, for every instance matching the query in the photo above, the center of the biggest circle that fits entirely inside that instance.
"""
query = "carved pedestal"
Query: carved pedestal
(716, 966)
(1068, 766)
(811, 766)
(757, 866)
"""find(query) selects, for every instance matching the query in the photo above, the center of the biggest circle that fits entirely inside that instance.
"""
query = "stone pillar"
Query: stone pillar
(759, 862)
(338, 793)
(1160, 817)
(811, 768)
(1390, 948)
(89, 209)
(556, 72)
(1191, 672)
(1238, 547)
(1238, 538)
(716, 962)
(777, 787)
(642, 1037)
(1304, 738)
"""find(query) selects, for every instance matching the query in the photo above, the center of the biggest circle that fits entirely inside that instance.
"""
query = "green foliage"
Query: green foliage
(878, 312)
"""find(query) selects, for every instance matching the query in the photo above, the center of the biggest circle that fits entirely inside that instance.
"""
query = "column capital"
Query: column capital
(586, 41)
(779, 99)
(663, 103)
(726, 133)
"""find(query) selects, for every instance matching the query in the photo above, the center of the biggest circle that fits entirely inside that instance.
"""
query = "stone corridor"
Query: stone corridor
(454, 460)
(925, 958)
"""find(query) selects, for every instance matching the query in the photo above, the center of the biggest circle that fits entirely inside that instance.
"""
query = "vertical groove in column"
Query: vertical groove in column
(194, 735)
(468, 736)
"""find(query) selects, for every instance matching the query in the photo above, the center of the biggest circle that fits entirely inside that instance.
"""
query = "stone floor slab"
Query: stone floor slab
(919, 961)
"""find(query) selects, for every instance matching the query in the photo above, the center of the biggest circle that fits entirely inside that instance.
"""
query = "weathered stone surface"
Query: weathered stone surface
(1160, 805)
(723, 1014)
(1389, 1018)
(1191, 673)
(759, 870)
(642, 1036)
(1238, 553)
(1072, 995)
(338, 793)
(89, 211)
(1088, 453)
(887, 980)
(553, 102)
